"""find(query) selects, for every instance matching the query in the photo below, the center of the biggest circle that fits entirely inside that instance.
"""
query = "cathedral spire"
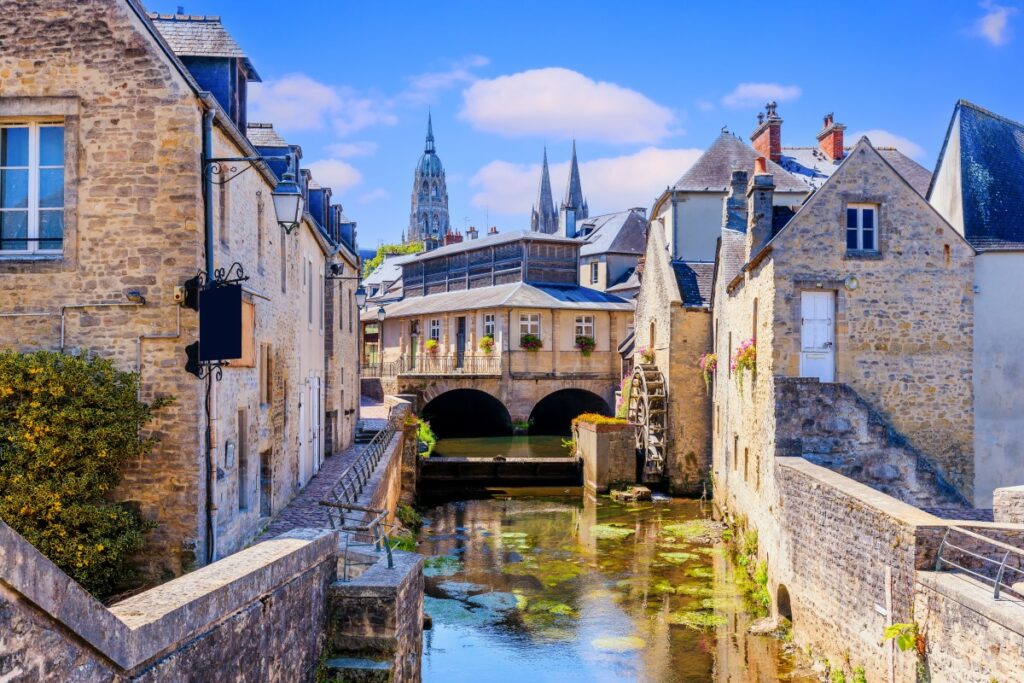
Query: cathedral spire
(430, 135)
(544, 218)
(574, 190)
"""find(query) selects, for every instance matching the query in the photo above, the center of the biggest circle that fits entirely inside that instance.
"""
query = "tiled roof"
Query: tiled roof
(696, 280)
(811, 166)
(991, 166)
(712, 172)
(493, 240)
(732, 253)
(914, 173)
(264, 135)
(615, 233)
(200, 36)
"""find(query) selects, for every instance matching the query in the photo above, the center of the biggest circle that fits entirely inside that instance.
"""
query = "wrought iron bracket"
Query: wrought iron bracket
(231, 275)
(214, 368)
(222, 170)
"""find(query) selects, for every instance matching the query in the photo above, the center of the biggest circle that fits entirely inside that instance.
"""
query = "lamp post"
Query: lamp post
(287, 203)
(381, 314)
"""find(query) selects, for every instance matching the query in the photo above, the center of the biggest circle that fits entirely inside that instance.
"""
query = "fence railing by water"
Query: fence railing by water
(993, 562)
(429, 364)
(359, 532)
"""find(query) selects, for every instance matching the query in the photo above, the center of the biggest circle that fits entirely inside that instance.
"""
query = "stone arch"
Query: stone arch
(554, 413)
(783, 605)
(465, 412)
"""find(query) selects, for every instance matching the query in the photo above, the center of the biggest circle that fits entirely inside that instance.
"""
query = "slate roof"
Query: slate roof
(264, 135)
(512, 295)
(696, 280)
(615, 233)
(732, 253)
(389, 270)
(492, 240)
(991, 176)
(712, 172)
(190, 35)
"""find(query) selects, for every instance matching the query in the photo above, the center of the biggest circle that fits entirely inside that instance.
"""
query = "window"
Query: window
(435, 329)
(594, 272)
(862, 227)
(350, 314)
(243, 460)
(322, 296)
(529, 323)
(31, 188)
(585, 326)
(308, 286)
(266, 374)
(489, 325)
(259, 230)
(284, 263)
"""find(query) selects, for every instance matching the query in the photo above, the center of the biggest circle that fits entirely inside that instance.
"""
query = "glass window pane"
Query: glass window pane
(851, 218)
(851, 239)
(14, 189)
(51, 187)
(51, 146)
(869, 239)
(13, 146)
(13, 224)
(869, 219)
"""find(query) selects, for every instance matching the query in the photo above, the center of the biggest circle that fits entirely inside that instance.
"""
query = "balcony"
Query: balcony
(440, 364)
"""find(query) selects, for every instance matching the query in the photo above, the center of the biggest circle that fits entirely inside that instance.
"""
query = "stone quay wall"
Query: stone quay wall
(608, 452)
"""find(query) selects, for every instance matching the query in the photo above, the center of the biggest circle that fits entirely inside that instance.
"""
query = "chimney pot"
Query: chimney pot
(767, 136)
(830, 139)
(760, 166)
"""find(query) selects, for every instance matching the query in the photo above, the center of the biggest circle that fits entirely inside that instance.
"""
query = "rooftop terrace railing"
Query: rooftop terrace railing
(430, 364)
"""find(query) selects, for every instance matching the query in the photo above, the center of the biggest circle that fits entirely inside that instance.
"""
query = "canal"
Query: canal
(541, 446)
(552, 585)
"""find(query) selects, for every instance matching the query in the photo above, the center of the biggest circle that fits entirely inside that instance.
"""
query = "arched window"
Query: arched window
(423, 189)
(433, 191)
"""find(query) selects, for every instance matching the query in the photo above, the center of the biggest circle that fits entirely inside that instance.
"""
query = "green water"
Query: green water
(503, 446)
(536, 585)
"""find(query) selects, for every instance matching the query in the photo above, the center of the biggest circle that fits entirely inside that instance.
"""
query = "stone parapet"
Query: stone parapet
(608, 453)
(1008, 504)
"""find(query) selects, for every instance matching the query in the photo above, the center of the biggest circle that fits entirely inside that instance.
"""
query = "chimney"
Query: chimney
(760, 193)
(493, 230)
(767, 137)
(830, 139)
(472, 232)
(734, 206)
(452, 238)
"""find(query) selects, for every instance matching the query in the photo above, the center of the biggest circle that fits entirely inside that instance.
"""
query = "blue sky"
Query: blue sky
(642, 86)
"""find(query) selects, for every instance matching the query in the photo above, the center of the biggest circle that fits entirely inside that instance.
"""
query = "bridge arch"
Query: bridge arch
(554, 413)
(464, 412)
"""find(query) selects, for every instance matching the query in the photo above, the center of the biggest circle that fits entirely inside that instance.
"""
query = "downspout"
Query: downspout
(208, 117)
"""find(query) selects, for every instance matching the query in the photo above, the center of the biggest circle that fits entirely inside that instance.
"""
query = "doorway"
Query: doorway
(817, 335)
(460, 342)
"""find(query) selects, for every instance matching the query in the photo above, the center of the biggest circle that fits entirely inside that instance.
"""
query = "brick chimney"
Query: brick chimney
(452, 238)
(767, 137)
(830, 139)
(760, 193)
(472, 233)
(493, 230)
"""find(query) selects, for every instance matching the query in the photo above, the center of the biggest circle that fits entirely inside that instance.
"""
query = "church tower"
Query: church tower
(574, 208)
(544, 218)
(428, 220)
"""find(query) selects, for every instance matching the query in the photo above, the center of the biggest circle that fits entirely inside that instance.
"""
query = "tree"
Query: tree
(370, 265)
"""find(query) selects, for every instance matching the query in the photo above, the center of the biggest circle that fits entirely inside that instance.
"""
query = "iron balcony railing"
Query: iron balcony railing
(993, 562)
(431, 364)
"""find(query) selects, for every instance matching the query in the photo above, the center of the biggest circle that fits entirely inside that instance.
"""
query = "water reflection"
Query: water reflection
(502, 446)
(530, 586)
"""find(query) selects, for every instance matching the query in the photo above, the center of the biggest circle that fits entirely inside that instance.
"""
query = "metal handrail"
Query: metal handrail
(433, 364)
(1001, 565)
(376, 529)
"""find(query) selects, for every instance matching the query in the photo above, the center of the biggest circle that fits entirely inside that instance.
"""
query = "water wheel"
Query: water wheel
(647, 414)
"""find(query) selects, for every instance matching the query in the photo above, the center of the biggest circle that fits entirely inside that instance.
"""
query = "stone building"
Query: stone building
(505, 287)
(977, 187)
(115, 112)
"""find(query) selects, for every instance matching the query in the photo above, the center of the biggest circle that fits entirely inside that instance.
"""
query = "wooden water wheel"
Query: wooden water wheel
(647, 414)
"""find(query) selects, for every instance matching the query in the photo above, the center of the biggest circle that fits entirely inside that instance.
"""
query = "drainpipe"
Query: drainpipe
(207, 170)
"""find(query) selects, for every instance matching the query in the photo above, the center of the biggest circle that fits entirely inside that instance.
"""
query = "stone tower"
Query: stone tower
(428, 220)
(544, 218)
(574, 208)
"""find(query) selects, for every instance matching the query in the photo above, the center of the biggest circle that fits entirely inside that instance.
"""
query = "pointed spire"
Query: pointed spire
(544, 218)
(574, 190)
(430, 134)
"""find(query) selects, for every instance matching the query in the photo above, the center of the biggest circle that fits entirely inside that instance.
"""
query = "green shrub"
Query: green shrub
(408, 516)
(427, 436)
(67, 426)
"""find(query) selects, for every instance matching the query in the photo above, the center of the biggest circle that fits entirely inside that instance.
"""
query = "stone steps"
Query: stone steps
(356, 670)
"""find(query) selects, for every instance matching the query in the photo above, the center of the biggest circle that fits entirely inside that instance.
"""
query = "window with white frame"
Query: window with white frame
(31, 188)
(862, 227)
(529, 323)
(435, 329)
(594, 272)
(489, 325)
(585, 326)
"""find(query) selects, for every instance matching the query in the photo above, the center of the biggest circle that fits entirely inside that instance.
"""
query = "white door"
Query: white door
(817, 335)
(316, 416)
(303, 469)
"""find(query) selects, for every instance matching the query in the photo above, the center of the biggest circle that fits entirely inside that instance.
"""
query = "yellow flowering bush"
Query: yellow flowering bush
(67, 426)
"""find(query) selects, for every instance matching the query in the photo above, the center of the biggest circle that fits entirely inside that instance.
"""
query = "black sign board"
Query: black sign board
(220, 323)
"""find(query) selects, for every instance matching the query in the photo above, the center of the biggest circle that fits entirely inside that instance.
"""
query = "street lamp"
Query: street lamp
(381, 314)
(287, 202)
(360, 296)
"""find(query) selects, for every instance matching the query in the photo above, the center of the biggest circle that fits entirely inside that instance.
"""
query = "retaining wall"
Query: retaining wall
(608, 453)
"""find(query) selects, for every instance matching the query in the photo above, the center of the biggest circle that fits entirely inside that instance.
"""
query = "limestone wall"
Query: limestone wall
(608, 452)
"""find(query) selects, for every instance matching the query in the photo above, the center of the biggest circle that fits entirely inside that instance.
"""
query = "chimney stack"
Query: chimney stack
(767, 137)
(830, 139)
(734, 209)
(472, 232)
(760, 195)
(493, 230)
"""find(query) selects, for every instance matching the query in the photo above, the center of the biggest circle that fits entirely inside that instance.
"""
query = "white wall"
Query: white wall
(998, 373)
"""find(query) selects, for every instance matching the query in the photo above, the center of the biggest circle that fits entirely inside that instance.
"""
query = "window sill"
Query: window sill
(861, 255)
(29, 258)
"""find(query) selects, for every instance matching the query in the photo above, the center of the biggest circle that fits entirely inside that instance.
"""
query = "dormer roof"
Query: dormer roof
(191, 35)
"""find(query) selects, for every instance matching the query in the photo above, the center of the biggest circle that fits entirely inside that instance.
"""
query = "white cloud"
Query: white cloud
(994, 25)
(705, 105)
(425, 87)
(374, 196)
(298, 102)
(756, 94)
(883, 138)
(562, 103)
(610, 184)
(335, 174)
(345, 150)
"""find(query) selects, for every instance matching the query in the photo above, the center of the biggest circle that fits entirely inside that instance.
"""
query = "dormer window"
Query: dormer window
(862, 227)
